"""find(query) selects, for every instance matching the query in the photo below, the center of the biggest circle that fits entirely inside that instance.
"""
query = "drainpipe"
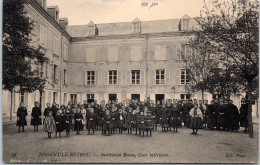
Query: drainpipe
(61, 64)
(146, 66)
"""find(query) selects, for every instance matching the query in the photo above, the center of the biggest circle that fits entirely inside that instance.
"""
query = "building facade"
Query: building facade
(128, 60)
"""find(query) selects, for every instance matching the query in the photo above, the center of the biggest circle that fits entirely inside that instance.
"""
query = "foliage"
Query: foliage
(19, 55)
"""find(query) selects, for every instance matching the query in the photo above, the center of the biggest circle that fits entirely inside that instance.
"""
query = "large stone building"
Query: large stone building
(133, 60)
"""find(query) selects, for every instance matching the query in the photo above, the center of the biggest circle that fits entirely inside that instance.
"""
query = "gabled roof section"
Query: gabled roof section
(91, 23)
(186, 17)
(136, 20)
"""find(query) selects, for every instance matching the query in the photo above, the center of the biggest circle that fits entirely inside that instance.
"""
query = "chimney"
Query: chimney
(54, 12)
(42, 3)
(63, 22)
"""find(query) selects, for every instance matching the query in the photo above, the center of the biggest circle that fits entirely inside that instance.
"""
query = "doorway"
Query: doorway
(135, 97)
(112, 97)
(159, 97)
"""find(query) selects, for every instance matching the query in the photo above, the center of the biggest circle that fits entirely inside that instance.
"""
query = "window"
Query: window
(90, 77)
(66, 50)
(185, 96)
(113, 77)
(56, 45)
(160, 76)
(185, 24)
(135, 97)
(136, 27)
(65, 77)
(54, 97)
(90, 98)
(73, 97)
(65, 99)
(112, 97)
(43, 36)
(185, 79)
(22, 97)
(55, 73)
(135, 76)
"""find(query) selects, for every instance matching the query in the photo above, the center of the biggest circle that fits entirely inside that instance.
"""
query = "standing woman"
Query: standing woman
(36, 116)
(21, 117)
(196, 118)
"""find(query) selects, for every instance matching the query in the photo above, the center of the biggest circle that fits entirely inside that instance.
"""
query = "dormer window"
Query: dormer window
(184, 23)
(136, 26)
(91, 29)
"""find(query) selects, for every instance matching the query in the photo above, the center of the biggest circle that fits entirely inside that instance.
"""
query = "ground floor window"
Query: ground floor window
(159, 98)
(22, 97)
(73, 97)
(135, 97)
(65, 98)
(112, 97)
(90, 98)
(185, 96)
(54, 97)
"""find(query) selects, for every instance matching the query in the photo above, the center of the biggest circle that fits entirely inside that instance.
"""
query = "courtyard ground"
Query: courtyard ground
(163, 147)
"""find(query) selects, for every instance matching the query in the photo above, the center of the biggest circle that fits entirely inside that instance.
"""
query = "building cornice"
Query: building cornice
(132, 36)
(46, 15)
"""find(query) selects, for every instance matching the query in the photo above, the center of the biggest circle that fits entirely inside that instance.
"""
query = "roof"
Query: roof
(124, 28)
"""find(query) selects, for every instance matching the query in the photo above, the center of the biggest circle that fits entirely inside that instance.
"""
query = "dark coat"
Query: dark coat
(210, 113)
(174, 117)
(46, 111)
(106, 126)
(59, 123)
(164, 118)
(36, 116)
(91, 120)
(244, 115)
(129, 120)
(141, 122)
(78, 120)
(221, 112)
(21, 114)
(67, 121)
(234, 117)
(120, 121)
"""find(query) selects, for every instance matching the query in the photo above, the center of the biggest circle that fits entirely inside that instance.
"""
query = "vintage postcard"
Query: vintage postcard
(130, 81)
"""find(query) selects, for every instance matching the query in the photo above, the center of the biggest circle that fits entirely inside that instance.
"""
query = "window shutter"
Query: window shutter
(82, 77)
(106, 77)
(51, 66)
(129, 77)
(142, 76)
(154, 77)
(167, 77)
(118, 77)
(96, 78)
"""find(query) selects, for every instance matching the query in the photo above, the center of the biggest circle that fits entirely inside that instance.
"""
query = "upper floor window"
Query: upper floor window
(65, 77)
(43, 36)
(135, 77)
(90, 77)
(66, 52)
(185, 76)
(55, 73)
(91, 29)
(56, 45)
(185, 96)
(160, 76)
(112, 76)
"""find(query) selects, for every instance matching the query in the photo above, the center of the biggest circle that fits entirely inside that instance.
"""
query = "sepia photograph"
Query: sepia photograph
(130, 81)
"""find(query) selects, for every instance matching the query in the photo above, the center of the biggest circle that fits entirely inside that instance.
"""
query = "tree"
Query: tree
(231, 26)
(197, 56)
(19, 55)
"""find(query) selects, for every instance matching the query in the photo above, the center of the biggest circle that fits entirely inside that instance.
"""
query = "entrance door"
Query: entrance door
(112, 97)
(135, 97)
(159, 97)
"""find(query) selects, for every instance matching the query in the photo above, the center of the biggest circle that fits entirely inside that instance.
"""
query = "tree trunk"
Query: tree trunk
(11, 110)
(250, 99)
(202, 96)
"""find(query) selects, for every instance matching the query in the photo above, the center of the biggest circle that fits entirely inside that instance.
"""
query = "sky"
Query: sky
(81, 12)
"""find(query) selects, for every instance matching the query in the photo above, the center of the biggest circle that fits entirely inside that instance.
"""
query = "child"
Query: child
(84, 120)
(67, 121)
(164, 119)
(91, 121)
(120, 120)
(113, 119)
(21, 117)
(78, 120)
(36, 116)
(149, 122)
(106, 126)
(49, 124)
(129, 121)
(174, 118)
(141, 123)
(196, 118)
(59, 123)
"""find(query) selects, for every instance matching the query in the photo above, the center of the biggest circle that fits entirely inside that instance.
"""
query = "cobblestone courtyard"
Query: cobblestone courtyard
(163, 147)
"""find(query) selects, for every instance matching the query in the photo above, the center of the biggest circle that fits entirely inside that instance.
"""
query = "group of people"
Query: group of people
(133, 115)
